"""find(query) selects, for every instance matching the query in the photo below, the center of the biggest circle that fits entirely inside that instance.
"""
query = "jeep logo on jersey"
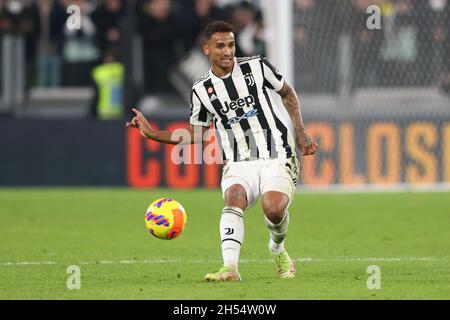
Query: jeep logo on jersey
(248, 101)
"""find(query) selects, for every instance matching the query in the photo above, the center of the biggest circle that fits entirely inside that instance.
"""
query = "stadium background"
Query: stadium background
(376, 100)
(74, 183)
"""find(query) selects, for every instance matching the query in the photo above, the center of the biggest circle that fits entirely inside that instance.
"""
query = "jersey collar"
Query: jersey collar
(223, 78)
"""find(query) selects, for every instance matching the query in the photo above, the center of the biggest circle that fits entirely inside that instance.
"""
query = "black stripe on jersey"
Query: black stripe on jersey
(203, 114)
(280, 126)
(210, 90)
(219, 138)
(246, 69)
(234, 95)
(267, 84)
(278, 123)
(272, 68)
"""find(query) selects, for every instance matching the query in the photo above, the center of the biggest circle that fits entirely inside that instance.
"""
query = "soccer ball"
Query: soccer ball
(165, 218)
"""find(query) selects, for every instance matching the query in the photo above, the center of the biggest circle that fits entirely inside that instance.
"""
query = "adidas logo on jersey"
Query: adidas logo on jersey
(213, 97)
(248, 101)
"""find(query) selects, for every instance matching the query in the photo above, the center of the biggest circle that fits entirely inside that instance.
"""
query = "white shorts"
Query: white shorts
(260, 176)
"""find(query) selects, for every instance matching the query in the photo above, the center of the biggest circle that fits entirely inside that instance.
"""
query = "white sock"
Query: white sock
(232, 235)
(278, 233)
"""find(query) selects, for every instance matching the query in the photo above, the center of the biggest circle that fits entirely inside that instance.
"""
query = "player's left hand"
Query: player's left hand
(307, 145)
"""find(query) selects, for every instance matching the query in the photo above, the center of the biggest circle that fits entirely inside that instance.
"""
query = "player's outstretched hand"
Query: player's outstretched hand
(140, 122)
(307, 145)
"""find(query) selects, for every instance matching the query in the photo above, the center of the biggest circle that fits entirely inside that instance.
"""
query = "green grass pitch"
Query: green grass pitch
(333, 237)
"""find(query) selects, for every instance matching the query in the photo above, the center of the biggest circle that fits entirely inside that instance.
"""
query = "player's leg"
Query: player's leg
(232, 225)
(238, 195)
(231, 234)
(278, 182)
(276, 217)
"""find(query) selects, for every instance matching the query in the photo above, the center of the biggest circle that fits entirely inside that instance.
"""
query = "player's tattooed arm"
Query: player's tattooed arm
(304, 141)
(188, 136)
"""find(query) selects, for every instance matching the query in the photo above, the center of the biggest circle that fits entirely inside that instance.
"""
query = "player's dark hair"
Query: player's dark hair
(217, 26)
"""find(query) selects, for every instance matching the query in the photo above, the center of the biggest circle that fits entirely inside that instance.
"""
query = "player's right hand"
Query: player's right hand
(307, 145)
(140, 122)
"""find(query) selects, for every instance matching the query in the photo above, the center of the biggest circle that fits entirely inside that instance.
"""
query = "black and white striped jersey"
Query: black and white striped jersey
(247, 122)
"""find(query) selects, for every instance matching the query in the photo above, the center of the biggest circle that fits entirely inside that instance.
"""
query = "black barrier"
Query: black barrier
(62, 152)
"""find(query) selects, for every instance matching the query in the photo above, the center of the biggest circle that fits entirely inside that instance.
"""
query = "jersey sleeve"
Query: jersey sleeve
(272, 77)
(200, 116)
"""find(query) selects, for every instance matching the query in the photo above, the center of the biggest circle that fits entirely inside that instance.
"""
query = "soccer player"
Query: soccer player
(259, 152)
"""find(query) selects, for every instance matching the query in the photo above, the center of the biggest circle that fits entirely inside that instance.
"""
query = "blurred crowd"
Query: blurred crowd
(59, 56)
(412, 48)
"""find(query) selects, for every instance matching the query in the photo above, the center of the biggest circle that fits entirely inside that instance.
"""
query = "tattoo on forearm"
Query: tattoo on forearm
(292, 104)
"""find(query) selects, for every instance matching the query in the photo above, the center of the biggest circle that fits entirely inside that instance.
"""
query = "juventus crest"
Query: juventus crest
(249, 79)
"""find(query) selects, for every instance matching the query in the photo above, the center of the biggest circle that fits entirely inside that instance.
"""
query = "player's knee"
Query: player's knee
(275, 215)
(274, 207)
(236, 196)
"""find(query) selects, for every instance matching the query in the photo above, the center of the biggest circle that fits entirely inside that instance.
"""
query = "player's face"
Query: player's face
(221, 50)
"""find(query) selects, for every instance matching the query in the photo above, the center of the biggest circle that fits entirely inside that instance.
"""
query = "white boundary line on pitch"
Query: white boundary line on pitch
(27, 263)
(160, 261)
(374, 188)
